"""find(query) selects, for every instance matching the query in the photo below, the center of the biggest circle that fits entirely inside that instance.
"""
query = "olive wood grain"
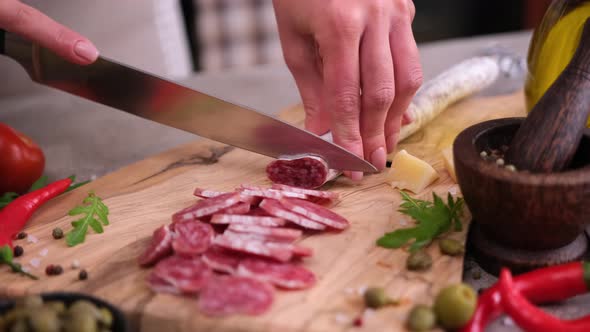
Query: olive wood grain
(143, 196)
(549, 137)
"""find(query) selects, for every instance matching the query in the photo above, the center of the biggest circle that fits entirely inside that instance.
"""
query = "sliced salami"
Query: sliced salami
(315, 212)
(222, 260)
(302, 251)
(275, 208)
(187, 275)
(192, 238)
(206, 207)
(253, 246)
(284, 275)
(271, 233)
(300, 171)
(240, 208)
(269, 192)
(308, 192)
(248, 220)
(207, 193)
(159, 285)
(226, 295)
(160, 246)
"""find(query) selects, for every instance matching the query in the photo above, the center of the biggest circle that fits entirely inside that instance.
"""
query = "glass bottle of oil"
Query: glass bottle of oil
(553, 45)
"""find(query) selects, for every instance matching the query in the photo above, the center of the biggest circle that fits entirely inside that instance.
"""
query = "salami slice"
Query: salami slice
(240, 208)
(187, 275)
(206, 207)
(226, 295)
(269, 192)
(308, 192)
(315, 212)
(284, 275)
(207, 193)
(192, 238)
(300, 171)
(271, 233)
(253, 246)
(159, 285)
(222, 260)
(275, 208)
(248, 220)
(160, 246)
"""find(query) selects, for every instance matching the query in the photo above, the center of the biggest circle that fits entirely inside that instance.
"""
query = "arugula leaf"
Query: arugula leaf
(432, 219)
(6, 198)
(40, 183)
(6, 257)
(95, 212)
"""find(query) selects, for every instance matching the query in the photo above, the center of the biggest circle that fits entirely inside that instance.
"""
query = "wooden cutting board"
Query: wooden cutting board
(144, 195)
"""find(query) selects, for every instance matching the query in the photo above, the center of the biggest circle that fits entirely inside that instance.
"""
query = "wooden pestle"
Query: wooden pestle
(549, 136)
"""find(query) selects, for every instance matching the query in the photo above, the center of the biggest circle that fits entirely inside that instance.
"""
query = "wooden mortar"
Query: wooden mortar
(523, 220)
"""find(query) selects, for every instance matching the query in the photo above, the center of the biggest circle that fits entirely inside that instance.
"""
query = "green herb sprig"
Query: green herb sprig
(95, 214)
(6, 257)
(432, 219)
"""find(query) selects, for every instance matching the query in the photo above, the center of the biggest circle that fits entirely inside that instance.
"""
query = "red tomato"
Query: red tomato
(21, 161)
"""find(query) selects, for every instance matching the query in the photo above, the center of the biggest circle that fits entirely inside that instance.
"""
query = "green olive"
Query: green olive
(376, 297)
(19, 326)
(30, 301)
(57, 306)
(455, 305)
(44, 319)
(81, 321)
(418, 261)
(106, 317)
(451, 247)
(14, 315)
(421, 318)
(84, 306)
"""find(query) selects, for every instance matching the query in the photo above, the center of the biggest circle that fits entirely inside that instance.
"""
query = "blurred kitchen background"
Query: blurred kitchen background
(175, 38)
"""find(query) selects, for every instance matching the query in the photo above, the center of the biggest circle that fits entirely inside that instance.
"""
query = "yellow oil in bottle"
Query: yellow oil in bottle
(553, 45)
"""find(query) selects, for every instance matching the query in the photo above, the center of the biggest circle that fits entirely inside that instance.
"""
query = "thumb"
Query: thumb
(30, 23)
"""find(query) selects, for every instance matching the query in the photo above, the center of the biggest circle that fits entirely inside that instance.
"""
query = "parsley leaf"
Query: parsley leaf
(95, 215)
(6, 257)
(432, 219)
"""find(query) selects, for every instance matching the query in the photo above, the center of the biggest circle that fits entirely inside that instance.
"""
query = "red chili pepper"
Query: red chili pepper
(531, 318)
(549, 284)
(15, 215)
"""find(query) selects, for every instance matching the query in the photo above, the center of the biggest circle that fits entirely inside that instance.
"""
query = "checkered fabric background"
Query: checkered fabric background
(235, 33)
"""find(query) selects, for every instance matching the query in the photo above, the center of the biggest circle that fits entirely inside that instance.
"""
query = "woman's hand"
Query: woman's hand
(337, 48)
(30, 23)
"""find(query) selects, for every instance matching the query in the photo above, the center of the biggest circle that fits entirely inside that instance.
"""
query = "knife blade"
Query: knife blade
(154, 98)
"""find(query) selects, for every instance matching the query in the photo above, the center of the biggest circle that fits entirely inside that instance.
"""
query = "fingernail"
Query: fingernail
(86, 51)
(356, 176)
(392, 142)
(378, 158)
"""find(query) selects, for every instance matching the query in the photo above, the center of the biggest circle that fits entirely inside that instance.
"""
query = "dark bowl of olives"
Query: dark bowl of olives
(59, 312)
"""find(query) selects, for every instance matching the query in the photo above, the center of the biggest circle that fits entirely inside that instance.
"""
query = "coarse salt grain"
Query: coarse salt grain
(24, 269)
(507, 321)
(43, 252)
(341, 318)
(454, 190)
(368, 312)
(361, 290)
(32, 239)
(75, 264)
(349, 290)
(403, 221)
(35, 262)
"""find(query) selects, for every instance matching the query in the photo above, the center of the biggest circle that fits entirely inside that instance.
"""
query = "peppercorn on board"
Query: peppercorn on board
(143, 196)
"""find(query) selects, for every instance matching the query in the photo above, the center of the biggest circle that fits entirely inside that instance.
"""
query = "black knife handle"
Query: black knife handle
(2, 33)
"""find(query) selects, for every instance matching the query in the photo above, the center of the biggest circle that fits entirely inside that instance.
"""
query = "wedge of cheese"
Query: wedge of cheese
(411, 173)
(449, 162)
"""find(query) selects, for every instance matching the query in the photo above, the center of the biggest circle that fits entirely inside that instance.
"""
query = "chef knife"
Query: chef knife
(151, 97)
